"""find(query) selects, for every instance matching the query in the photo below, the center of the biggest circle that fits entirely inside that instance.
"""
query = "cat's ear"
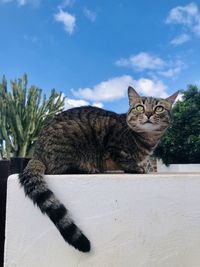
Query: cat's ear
(132, 96)
(172, 98)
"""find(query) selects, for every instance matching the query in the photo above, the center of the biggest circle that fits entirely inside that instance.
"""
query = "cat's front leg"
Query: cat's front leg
(127, 162)
(135, 169)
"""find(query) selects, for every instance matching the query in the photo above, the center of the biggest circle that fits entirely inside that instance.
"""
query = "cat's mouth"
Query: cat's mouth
(148, 122)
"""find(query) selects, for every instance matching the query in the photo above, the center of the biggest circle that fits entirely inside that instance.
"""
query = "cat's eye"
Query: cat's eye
(159, 109)
(140, 108)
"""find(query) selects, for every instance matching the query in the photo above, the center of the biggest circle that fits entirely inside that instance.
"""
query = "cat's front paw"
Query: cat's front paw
(141, 170)
(94, 171)
(138, 169)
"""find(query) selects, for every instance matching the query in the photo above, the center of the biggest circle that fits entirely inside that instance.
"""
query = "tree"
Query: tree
(22, 115)
(181, 142)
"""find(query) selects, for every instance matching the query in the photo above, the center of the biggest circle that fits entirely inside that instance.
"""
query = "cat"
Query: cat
(91, 140)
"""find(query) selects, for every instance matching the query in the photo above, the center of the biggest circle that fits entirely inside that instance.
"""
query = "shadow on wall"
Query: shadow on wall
(7, 167)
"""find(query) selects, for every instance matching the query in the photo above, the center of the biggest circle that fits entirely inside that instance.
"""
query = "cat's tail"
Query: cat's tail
(36, 189)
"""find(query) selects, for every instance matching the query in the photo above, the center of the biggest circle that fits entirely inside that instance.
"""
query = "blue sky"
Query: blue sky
(93, 50)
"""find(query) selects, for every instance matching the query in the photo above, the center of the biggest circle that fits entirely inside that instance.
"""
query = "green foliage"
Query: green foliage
(23, 113)
(181, 143)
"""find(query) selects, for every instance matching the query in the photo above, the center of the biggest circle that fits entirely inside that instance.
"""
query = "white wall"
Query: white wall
(131, 220)
(178, 167)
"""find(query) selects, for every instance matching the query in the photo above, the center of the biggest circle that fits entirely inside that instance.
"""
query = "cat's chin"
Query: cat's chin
(146, 127)
(149, 127)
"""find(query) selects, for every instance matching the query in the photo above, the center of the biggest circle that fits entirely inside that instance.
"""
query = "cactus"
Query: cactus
(23, 113)
(5, 145)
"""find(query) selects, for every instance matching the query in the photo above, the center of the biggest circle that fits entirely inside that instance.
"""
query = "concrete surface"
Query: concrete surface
(131, 220)
(178, 167)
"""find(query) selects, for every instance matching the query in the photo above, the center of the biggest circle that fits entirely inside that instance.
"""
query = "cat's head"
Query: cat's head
(149, 114)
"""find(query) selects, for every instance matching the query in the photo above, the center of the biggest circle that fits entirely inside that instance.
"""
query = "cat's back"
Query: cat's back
(84, 115)
(84, 112)
(76, 127)
(79, 120)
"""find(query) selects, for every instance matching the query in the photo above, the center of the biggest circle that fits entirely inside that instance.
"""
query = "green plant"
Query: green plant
(23, 113)
(181, 143)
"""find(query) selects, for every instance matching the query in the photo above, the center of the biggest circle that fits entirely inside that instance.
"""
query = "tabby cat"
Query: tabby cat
(92, 140)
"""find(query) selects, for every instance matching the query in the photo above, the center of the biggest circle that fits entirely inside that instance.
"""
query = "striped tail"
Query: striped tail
(36, 189)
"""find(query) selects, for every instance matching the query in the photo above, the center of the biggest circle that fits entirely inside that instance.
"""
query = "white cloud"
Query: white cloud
(179, 97)
(98, 104)
(149, 87)
(187, 16)
(183, 14)
(173, 70)
(73, 103)
(197, 83)
(31, 38)
(142, 61)
(67, 19)
(22, 2)
(112, 89)
(145, 62)
(91, 15)
(170, 73)
(67, 3)
(5, 1)
(180, 39)
(116, 88)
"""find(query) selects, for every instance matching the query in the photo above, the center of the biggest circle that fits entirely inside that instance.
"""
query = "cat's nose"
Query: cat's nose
(148, 114)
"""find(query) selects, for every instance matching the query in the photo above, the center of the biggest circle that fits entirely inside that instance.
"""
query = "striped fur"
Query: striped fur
(92, 140)
(36, 188)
